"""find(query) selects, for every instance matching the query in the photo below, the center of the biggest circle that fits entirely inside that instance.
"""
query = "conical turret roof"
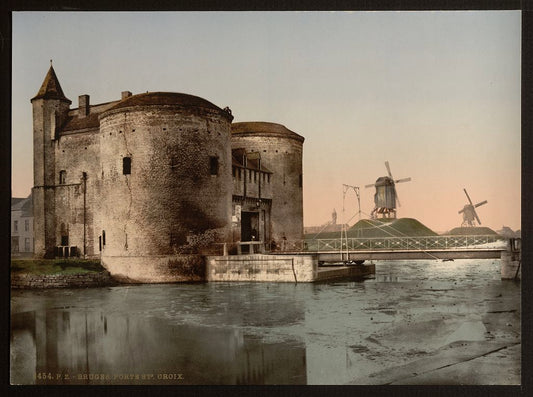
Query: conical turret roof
(51, 89)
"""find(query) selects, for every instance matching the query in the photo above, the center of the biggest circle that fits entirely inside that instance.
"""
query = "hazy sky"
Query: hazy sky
(437, 94)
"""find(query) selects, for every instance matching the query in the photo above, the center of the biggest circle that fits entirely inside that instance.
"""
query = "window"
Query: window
(126, 166)
(255, 176)
(213, 165)
(64, 240)
(26, 225)
(62, 177)
(27, 244)
(239, 173)
(268, 178)
(16, 226)
(300, 182)
(174, 162)
(234, 171)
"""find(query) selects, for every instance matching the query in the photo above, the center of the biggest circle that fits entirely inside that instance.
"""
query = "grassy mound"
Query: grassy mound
(55, 266)
(471, 231)
(367, 228)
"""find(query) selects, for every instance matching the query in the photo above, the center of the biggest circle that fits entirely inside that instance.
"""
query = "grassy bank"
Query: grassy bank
(55, 266)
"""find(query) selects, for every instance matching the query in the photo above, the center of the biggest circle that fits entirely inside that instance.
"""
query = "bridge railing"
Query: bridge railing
(391, 243)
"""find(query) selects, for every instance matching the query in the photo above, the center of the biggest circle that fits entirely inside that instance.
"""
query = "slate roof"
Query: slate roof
(78, 123)
(22, 204)
(16, 202)
(51, 89)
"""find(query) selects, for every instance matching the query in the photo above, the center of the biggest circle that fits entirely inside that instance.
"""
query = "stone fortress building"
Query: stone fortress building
(150, 182)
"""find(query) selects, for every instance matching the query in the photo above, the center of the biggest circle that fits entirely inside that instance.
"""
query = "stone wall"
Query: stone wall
(75, 200)
(171, 200)
(510, 267)
(156, 269)
(84, 280)
(269, 268)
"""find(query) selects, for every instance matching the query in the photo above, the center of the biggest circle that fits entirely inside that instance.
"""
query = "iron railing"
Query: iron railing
(391, 243)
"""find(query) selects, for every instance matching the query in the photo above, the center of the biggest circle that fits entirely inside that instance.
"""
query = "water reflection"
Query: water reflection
(64, 347)
(256, 333)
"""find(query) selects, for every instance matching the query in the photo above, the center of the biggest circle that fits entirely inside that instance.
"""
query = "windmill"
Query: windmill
(469, 212)
(386, 196)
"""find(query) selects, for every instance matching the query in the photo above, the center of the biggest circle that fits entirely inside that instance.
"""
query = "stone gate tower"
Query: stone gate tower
(149, 183)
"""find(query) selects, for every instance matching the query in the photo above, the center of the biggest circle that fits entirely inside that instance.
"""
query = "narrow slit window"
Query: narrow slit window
(213, 165)
(62, 177)
(126, 165)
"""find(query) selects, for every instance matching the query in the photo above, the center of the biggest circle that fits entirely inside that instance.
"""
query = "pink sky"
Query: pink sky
(437, 94)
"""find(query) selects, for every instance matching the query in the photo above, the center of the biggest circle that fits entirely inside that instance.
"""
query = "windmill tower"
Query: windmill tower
(386, 195)
(469, 212)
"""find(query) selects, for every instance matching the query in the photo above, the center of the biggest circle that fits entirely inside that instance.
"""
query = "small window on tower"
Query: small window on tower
(126, 165)
(62, 177)
(213, 165)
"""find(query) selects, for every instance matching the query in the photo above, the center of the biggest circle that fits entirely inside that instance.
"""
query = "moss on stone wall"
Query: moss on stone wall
(55, 266)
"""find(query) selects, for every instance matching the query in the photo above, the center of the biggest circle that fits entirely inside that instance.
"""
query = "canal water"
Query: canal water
(252, 333)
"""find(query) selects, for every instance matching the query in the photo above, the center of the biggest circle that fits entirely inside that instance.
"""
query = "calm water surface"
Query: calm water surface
(243, 333)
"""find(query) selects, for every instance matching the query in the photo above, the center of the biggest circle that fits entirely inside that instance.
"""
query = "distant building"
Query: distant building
(21, 226)
(328, 227)
(146, 180)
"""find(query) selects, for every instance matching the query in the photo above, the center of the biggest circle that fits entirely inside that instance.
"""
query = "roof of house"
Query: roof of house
(16, 202)
(22, 204)
(79, 123)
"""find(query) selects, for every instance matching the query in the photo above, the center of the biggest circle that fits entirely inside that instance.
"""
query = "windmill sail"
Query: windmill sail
(386, 195)
(469, 211)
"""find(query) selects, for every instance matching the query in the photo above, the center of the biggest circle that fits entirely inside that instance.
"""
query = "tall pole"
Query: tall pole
(344, 231)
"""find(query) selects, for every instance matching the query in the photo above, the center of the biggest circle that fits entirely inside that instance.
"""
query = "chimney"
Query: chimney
(83, 105)
(126, 94)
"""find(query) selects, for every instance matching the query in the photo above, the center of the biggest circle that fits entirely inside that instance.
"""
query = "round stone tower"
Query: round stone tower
(165, 185)
(281, 152)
